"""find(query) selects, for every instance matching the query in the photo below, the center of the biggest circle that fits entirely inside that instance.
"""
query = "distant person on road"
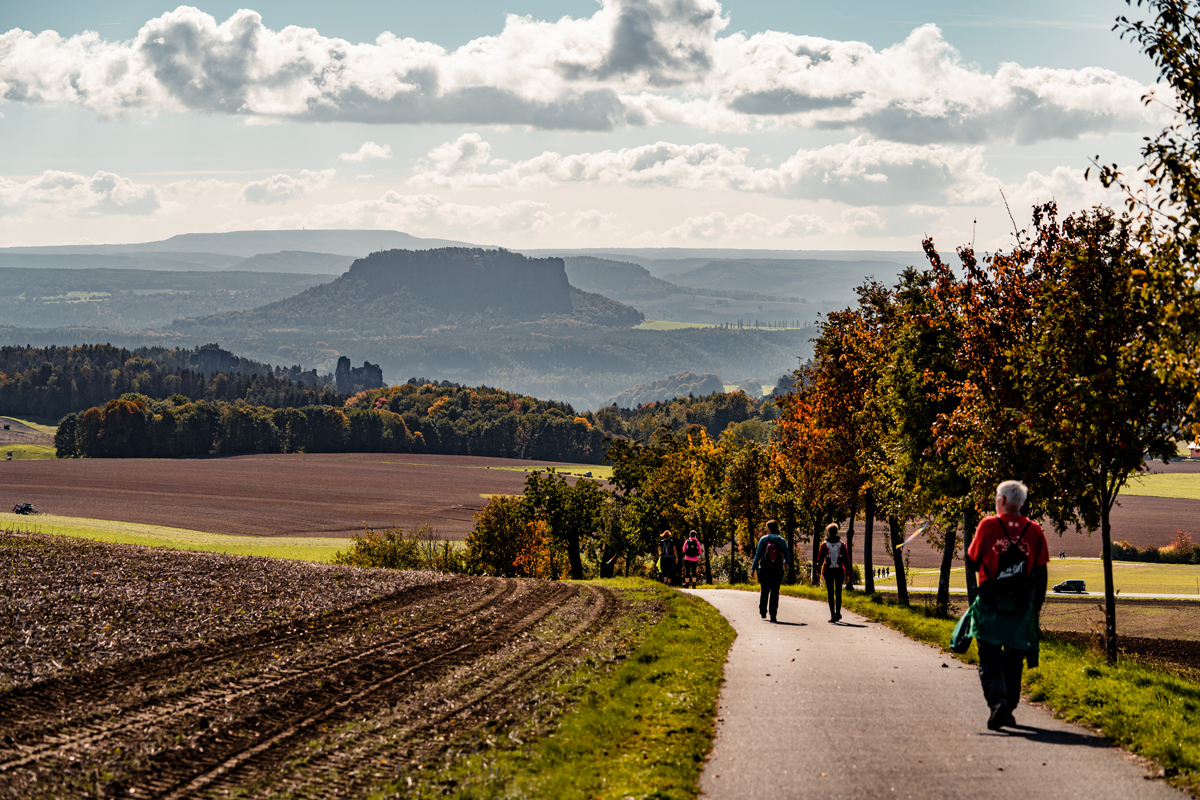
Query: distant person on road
(834, 561)
(667, 558)
(1010, 552)
(770, 559)
(692, 549)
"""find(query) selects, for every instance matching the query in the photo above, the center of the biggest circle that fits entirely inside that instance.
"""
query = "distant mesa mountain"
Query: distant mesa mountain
(662, 262)
(245, 244)
(677, 385)
(401, 292)
(296, 261)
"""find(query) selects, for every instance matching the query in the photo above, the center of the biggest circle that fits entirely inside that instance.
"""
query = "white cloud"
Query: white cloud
(368, 151)
(633, 62)
(426, 214)
(285, 188)
(73, 194)
(860, 171)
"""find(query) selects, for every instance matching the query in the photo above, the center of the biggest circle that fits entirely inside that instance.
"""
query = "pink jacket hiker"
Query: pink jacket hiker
(699, 549)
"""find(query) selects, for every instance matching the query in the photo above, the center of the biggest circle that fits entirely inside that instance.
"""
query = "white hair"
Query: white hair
(1014, 493)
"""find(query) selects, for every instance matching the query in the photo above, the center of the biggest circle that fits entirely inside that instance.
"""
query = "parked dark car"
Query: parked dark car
(1072, 586)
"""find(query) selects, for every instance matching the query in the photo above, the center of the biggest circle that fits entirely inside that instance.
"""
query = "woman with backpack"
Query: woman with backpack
(835, 566)
(691, 558)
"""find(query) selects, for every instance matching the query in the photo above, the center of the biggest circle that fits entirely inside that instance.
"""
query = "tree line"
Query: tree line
(53, 381)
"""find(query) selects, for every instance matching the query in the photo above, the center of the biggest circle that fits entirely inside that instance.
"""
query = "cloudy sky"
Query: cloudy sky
(784, 124)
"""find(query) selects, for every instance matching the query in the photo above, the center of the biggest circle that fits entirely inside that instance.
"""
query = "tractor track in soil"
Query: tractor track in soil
(519, 672)
(158, 746)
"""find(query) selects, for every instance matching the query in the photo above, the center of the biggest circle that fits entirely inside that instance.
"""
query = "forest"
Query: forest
(414, 417)
(49, 382)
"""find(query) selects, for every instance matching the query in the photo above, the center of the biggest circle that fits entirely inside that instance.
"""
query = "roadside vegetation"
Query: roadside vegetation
(640, 728)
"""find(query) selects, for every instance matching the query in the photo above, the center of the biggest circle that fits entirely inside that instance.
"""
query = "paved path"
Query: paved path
(856, 710)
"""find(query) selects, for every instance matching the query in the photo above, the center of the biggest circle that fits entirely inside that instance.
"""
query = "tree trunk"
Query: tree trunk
(732, 554)
(1110, 596)
(790, 522)
(816, 572)
(970, 523)
(943, 595)
(850, 538)
(897, 536)
(868, 543)
(573, 557)
(707, 564)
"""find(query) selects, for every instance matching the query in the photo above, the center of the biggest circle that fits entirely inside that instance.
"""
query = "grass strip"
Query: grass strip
(28, 452)
(297, 548)
(1148, 711)
(642, 730)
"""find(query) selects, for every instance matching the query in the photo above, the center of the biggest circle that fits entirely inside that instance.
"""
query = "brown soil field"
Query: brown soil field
(407, 672)
(269, 495)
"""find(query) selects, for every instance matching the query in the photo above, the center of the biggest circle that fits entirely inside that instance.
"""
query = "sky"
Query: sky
(777, 124)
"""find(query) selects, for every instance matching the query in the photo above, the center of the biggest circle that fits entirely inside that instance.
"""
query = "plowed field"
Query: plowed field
(326, 701)
(271, 495)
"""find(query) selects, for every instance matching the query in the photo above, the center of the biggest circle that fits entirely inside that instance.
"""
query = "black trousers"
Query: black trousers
(768, 593)
(1000, 673)
(833, 587)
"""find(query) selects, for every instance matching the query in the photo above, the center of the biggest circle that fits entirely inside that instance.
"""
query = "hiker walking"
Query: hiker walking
(834, 559)
(1010, 552)
(691, 558)
(667, 558)
(770, 559)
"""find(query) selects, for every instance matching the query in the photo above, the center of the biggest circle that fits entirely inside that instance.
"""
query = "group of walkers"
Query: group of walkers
(1009, 553)
(679, 561)
(771, 559)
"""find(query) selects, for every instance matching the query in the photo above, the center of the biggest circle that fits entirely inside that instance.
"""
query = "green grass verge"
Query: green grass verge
(643, 730)
(1182, 485)
(1128, 576)
(306, 548)
(27, 452)
(1150, 712)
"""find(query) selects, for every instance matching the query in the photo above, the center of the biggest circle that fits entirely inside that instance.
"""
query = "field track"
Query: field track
(318, 708)
(272, 495)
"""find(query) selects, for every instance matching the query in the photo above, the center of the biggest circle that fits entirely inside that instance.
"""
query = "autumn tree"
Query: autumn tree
(1096, 406)
(571, 511)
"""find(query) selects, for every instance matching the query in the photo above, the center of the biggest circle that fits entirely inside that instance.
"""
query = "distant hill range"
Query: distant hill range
(815, 275)
(633, 283)
(401, 292)
(245, 244)
(680, 384)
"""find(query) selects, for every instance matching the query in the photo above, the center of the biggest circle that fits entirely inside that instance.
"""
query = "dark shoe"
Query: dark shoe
(762, 614)
(833, 619)
(1000, 717)
(838, 616)
(772, 619)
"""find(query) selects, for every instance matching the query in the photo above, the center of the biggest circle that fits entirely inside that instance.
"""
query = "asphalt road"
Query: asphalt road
(856, 710)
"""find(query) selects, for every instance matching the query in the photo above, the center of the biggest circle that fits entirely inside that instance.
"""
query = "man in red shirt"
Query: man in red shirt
(1010, 552)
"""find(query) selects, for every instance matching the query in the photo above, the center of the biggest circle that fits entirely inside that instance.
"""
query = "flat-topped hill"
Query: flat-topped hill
(408, 291)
